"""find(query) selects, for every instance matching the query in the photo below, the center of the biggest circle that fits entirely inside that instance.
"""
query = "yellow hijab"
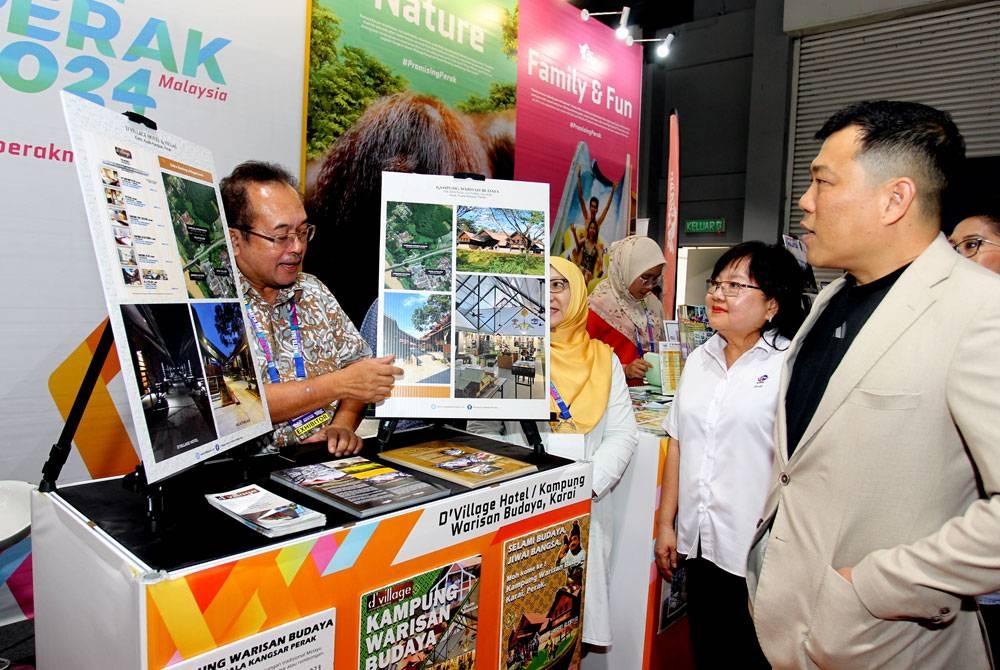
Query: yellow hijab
(581, 367)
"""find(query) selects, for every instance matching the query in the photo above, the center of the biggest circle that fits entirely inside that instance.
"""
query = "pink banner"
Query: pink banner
(670, 232)
(578, 95)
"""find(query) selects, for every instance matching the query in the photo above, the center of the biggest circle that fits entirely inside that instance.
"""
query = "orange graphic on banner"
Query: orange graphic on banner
(101, 438)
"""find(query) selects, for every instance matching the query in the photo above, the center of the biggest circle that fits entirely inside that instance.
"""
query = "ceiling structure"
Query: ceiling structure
(645, 16)
(500, 305)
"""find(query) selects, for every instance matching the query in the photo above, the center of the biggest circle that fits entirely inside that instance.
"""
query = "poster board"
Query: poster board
(543, 596)
(196, 71)
(170, 283)
(464, 265)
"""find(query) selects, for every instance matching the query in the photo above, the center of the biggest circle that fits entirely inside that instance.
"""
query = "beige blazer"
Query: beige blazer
(884, 480)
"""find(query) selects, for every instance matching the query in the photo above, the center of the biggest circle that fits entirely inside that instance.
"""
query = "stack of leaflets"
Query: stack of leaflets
(650, 408)
(692, 321)
(266, 512)
(359, 486)
(459, 463)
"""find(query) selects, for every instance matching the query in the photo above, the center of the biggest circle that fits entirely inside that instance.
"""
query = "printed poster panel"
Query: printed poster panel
(578, 97)
(303, 644)
(543, 604)
(463, 297)
(402, 85)
(163, 253)
(428, 621)
(191, 66)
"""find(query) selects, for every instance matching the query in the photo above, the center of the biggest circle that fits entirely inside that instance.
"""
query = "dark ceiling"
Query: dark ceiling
(645, 16)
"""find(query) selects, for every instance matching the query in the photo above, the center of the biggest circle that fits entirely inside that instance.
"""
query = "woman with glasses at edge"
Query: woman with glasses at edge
(977, 237)
(721, 449)
(624, 313)
(595, 423)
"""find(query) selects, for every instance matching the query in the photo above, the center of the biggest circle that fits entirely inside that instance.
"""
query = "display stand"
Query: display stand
(60, 450)
(178, 596)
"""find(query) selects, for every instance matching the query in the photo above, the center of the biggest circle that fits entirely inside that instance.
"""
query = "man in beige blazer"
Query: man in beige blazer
(883, 518)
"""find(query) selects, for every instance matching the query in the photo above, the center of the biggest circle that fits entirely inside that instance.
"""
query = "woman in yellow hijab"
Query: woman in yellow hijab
(596, 424)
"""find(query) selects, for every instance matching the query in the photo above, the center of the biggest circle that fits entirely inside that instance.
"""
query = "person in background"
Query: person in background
(318, 371)
(882, 521)
(623, 311)
(403, 132)
(977, 237)
(588, 250)
(721, 448)
(596, 424)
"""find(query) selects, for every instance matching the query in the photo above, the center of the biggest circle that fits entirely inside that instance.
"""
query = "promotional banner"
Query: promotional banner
(430, 88)
(543, 596)
(232, 86)
(303, 644)
(401, 86)
(428, 620)
(671, 230)
(578, 98)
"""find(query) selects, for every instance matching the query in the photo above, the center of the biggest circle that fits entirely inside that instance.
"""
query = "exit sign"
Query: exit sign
(705, 226)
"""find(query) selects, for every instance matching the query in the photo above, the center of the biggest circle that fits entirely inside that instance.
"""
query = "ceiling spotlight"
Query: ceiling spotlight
(622, 31)
(662, 49)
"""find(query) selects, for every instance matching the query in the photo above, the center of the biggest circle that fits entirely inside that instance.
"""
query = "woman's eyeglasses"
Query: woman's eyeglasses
(730, 289)
(969, 247)
(558, 285)
(649, 280)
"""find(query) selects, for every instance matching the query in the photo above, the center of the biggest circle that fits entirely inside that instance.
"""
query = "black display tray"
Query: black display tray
(188, 531)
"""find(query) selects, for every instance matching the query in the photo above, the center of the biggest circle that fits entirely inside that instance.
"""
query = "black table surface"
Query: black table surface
(188, 530)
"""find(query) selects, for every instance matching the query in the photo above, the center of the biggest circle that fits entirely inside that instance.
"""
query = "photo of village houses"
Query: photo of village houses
(543, 597)
(497, 240)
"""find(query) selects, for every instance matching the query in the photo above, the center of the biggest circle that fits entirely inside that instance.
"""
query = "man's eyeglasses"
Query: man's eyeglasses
(304, 235)
(969, 247)
(730, 289)
(558, 285)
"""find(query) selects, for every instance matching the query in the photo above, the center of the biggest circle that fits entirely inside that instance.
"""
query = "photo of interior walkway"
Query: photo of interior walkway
(242, 409)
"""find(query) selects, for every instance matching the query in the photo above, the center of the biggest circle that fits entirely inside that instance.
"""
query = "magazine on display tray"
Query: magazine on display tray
(459, 463)
(359, 486)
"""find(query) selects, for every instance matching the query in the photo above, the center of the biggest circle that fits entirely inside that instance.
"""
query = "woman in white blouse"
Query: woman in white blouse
(721, 448)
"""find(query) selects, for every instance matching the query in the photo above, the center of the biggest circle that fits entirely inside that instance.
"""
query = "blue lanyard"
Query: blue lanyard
(649, 335)
(272, 367)
(564, 414)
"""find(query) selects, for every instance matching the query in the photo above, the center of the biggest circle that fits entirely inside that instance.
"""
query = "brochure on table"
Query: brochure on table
(169, 280)
(463, 267)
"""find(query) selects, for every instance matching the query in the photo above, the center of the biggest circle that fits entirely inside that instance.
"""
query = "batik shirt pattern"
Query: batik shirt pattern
(329, 339)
